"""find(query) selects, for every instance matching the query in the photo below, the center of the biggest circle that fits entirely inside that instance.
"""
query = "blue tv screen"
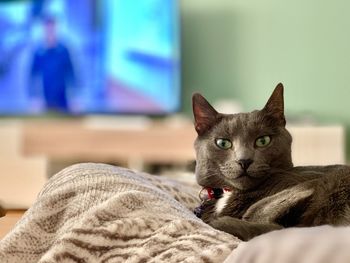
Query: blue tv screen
(89, 56)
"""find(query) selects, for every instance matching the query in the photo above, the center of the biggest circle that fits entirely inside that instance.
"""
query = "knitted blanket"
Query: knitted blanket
(101, 213)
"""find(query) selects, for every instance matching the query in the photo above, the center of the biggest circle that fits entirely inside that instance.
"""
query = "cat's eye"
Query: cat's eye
(263, 141)
(224, 144)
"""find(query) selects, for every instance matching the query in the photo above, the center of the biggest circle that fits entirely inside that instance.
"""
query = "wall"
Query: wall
(243, 48)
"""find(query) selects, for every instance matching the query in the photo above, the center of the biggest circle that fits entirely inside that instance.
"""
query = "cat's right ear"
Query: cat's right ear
(205, 116)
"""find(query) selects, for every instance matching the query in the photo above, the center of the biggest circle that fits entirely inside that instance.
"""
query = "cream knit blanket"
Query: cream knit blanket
(102, 213)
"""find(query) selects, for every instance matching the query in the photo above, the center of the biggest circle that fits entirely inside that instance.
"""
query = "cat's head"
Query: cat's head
(240, 150)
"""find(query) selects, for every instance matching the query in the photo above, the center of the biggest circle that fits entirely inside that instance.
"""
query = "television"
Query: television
(89, 56)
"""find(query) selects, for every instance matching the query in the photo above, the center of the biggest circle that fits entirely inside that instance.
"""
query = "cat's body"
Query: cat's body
(250, 154)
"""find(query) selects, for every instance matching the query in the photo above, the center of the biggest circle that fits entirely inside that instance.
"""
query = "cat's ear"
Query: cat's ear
(205, 116)
(275, 105)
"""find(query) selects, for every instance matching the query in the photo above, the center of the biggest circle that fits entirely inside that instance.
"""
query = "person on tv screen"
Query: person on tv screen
(51, 73)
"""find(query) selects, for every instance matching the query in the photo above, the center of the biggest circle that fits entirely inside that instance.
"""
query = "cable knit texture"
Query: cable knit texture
(102, 213)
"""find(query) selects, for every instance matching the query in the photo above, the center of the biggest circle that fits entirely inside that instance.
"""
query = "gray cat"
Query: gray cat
(249, 155)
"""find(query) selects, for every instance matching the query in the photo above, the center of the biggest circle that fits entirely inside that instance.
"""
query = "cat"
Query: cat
(249, 155)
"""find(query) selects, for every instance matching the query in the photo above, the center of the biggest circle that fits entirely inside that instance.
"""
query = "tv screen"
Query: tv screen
(89, 56)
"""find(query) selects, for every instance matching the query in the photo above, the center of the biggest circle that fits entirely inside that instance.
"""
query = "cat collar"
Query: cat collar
(213, 193)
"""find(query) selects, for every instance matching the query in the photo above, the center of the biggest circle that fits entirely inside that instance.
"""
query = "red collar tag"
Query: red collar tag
(211, 193)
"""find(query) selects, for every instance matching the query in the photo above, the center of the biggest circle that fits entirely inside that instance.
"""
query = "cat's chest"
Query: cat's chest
(234, 204)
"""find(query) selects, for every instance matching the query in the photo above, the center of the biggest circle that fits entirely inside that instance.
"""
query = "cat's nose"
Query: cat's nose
(245, 163)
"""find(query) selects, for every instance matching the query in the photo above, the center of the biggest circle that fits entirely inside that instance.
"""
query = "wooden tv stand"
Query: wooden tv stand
(155, 142)
(158, 142)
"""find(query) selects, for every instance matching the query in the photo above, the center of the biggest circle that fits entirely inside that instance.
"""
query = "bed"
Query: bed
(102, 213)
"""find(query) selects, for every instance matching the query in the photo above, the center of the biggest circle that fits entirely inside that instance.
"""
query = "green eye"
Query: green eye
(263, 141)
(224, 144)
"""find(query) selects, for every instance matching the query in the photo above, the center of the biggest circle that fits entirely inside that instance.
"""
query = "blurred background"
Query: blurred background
(242, 49)
(111, 80)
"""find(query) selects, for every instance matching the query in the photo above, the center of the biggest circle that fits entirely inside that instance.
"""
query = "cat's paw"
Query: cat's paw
(232, 226)
(271, 209)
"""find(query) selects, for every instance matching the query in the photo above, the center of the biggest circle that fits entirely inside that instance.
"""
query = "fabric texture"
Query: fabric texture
(322, 244)
(102, 213)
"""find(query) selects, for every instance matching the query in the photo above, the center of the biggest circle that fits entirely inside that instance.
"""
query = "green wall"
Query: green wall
(243, 48)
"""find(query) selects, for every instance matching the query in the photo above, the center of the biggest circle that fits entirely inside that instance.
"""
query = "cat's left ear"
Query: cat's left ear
(275, 105)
